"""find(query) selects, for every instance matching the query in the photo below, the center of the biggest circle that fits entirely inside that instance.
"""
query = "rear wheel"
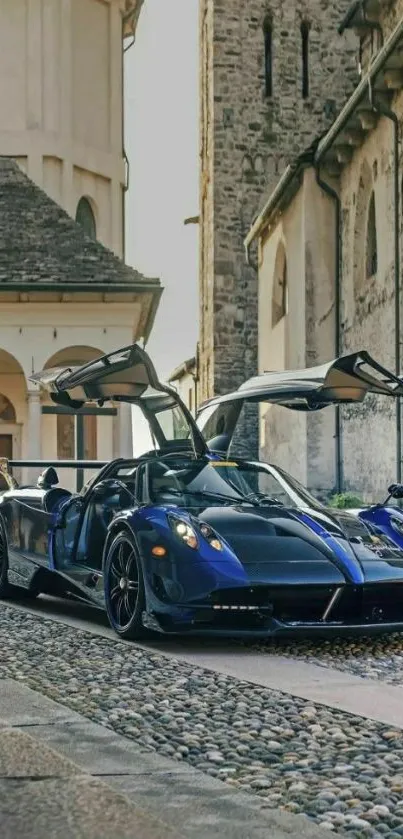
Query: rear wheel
(6, 589)
(124, 588)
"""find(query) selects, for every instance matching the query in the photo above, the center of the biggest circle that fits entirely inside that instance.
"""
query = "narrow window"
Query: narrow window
(305, 58)
(268, 56)
(360, 56)
(279, 303)
(90, 437)
(85, 217)
(371, 249)
(65, 437)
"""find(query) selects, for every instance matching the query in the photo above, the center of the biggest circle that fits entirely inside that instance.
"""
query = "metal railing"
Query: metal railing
(79, 465)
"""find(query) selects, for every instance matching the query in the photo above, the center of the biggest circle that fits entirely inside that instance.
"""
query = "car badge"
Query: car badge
(223, 463)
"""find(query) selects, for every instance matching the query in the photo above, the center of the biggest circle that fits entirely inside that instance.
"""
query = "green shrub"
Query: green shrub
(346, 501)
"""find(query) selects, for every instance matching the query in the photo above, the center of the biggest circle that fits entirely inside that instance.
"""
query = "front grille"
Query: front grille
(353, 605)
(369, 604)
(286, 603)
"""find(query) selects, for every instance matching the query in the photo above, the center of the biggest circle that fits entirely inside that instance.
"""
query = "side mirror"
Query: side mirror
(219, 444)
(48, 478)
(396, 491)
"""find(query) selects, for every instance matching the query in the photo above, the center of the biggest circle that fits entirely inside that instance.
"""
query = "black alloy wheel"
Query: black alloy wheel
(124, 587)
(6, 589)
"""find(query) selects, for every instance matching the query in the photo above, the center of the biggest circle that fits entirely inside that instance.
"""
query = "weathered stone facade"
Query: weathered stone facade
(247, 138)
(359, 164)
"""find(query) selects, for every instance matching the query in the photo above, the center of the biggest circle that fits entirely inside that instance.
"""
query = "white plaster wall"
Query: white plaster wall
(320, 240)
(368, 313)
(62, 104)
(33, 333)
(301, 443)
(369, 431)
(184, 387)
(282, 432)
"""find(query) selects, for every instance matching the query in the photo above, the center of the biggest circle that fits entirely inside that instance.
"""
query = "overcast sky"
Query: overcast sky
(163, 146)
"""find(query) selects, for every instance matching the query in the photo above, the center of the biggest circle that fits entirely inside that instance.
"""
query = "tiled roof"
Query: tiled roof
(131, 16)
(41, 245)
(183, 369)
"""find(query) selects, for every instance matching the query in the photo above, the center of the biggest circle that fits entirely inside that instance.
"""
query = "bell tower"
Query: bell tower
(66, 296)
(61, 103)
(273, 76)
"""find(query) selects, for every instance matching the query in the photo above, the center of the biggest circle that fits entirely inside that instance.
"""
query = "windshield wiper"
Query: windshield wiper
(262, 497)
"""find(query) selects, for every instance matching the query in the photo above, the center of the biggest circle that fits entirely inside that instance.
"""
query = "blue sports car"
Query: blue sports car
(183, 540)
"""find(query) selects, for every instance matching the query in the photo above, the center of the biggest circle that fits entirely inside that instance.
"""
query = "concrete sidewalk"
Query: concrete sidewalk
(42, 794)
(62, 777)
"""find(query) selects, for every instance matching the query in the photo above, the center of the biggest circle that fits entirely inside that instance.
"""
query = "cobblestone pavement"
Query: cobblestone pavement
(371, 658)
(344, 772)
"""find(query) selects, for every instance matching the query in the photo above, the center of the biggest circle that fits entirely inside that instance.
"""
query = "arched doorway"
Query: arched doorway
(13, 408)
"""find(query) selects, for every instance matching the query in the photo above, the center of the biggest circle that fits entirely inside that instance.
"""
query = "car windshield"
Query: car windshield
(203, 481)
(304, 495)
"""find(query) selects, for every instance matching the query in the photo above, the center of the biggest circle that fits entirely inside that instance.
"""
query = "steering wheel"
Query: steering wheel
(110, 487)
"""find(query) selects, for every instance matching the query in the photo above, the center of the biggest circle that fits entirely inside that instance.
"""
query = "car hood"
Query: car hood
(275, 536)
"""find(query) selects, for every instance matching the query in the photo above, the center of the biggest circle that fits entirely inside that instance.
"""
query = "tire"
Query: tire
(124, 588)
(6, 589)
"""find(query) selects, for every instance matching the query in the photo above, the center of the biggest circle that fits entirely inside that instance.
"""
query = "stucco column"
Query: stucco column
(32, 436)
(125, 430)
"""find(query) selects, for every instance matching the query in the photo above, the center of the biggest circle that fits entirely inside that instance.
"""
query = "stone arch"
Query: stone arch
(7, 410)
(13, 407)
(362, 205)
(13, 385)
(86, 216)
(73, 356)
(279, 297)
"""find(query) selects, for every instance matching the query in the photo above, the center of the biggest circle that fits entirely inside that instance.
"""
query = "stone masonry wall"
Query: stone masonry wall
(247, 140)
(368, 310)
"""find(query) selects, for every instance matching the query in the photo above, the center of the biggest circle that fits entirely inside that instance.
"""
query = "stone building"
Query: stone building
(329, 247)
(273, 75)
(66, 296)
(184, 379)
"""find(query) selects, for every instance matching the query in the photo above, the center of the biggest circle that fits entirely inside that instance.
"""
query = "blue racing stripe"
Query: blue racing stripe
(349, 564)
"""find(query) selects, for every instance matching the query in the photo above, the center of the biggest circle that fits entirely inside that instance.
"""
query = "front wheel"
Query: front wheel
(124, 588)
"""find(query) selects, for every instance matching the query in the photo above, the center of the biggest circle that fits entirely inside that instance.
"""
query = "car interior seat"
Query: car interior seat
(163, 485)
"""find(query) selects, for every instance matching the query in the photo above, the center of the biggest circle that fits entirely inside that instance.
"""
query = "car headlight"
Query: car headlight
(397, 525)
(184, 531)
(211, 537)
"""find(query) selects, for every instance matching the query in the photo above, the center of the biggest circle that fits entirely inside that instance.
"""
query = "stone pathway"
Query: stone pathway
(345, 772)
(63, 777)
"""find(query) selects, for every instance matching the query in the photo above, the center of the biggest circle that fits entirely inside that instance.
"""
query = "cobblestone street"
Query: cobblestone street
(342, 771)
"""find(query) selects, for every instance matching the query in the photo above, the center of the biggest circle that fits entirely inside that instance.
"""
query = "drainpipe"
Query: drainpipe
(337, 308)
(125, 157)
(372, 24)
(386, 112)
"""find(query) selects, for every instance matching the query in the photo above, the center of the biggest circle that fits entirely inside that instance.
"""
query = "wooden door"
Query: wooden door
(6, 446)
